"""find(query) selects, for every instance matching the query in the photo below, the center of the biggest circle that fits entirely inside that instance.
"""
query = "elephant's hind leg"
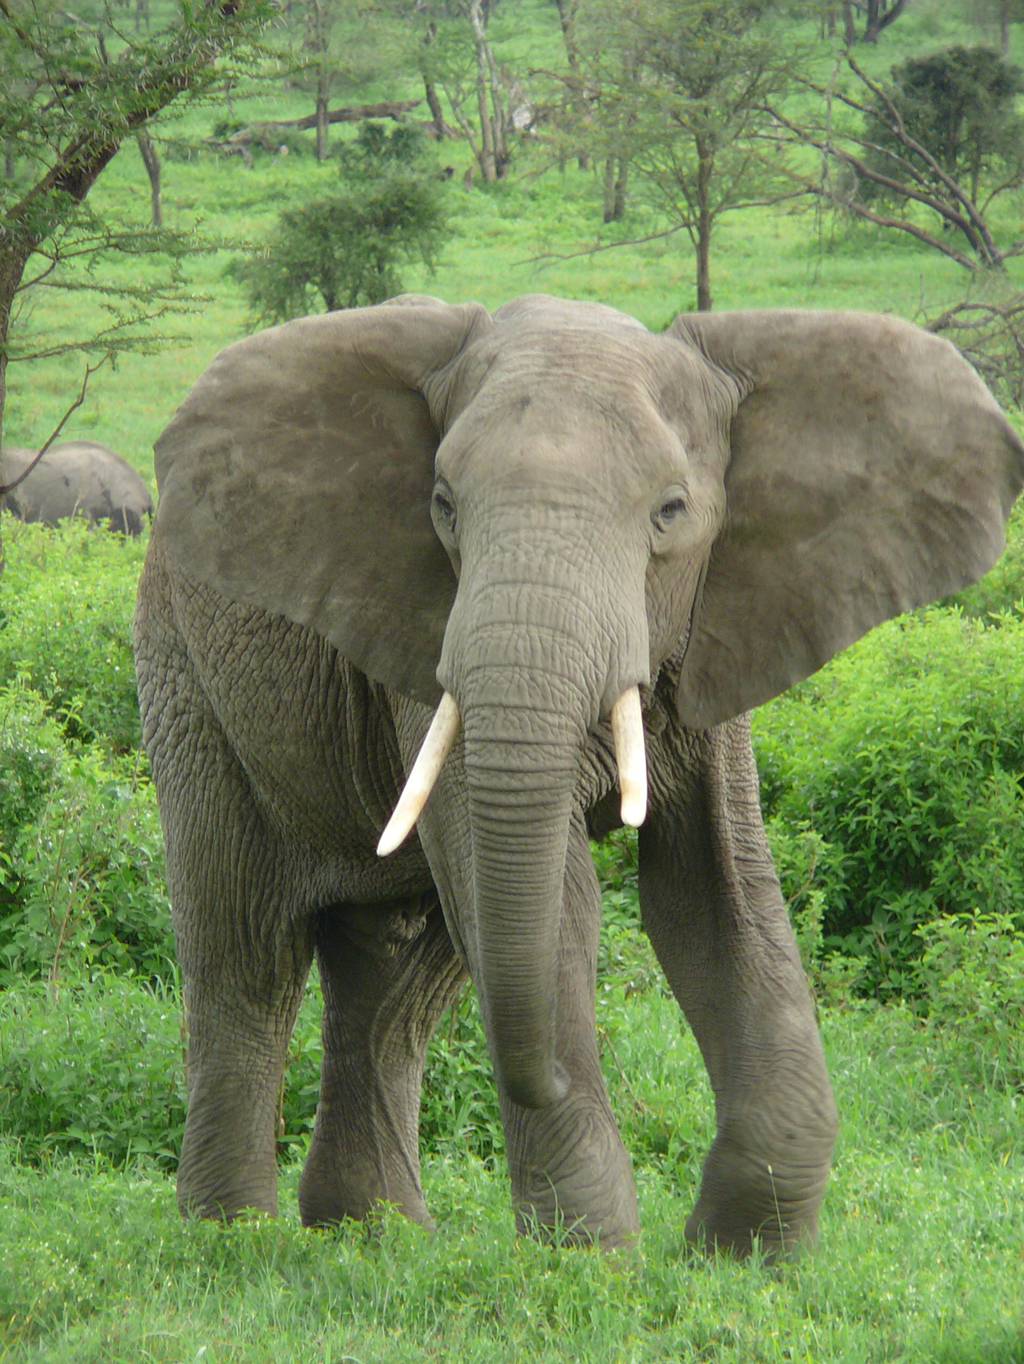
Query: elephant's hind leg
(387, 972)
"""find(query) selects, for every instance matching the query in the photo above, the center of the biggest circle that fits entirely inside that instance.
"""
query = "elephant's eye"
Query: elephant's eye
(443, 507)
(668, 511)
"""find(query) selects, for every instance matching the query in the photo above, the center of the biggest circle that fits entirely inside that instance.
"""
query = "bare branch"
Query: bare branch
(549, 256)
(90, 370)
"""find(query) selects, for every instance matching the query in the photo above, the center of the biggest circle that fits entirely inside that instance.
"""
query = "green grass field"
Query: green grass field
(921, 1258)
(921, 1253)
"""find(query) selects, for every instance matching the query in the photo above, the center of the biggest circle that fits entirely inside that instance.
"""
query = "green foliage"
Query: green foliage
(347, 249)
(971, 978)
(460, 1110)
(960, 105)
(66, 626)
(81, 853)
(809, 870)
(74, 88)
(904, 757)
(94, 1069)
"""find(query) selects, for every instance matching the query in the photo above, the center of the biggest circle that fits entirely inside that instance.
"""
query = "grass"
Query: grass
(921, 1254)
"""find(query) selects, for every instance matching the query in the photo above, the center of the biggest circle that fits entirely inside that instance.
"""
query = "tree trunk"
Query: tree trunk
(703, 269)
(9, 166)
(322, 122)
(705, 223)
(11, 270)
(608, 207)
(879, 18)
(1004, 28)
(437, 117)
(621, 186)
(487, 157)
(152, 163)
(567, 20)
(441, 127)
(849, 29)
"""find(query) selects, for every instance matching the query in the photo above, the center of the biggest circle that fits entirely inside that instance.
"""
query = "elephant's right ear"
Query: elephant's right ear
(296, 477)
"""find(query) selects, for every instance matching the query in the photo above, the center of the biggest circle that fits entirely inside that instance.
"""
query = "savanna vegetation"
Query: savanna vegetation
(891, 780)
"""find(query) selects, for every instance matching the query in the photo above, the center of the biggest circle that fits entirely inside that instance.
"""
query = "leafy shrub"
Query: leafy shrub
(904, 757)
(459, 1109)
(66, 625)
(971, 979)
(348, 249)
(81, 853)
(96, 1068)
(624, 956)
(809, 871)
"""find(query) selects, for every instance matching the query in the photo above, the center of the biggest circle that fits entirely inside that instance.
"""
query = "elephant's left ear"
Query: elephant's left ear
(871, 471)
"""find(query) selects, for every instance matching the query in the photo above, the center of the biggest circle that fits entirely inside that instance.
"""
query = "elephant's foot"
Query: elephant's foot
(338, 1185)
(221, 1192)
(571, 1177)
(748, 1199)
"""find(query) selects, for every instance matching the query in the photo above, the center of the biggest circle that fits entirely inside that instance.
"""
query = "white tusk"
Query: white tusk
(628, 737)
(443, 731)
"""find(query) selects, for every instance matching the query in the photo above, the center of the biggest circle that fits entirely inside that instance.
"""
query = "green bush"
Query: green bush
(904, 757)
(66, 625)
(971, 980)
(81, 853)
(351, 248)
(94, 1068)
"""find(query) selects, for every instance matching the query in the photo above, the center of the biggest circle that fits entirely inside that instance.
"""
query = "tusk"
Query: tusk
(443, 731)
(628, 737)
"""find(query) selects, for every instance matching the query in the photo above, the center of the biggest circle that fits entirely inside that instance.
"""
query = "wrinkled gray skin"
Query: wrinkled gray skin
(79, 478)
(710, 513)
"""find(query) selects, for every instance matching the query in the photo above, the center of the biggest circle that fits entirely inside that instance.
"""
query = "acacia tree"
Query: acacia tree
(678, 89)
(75, 87)
(885, 162)
(960, 104)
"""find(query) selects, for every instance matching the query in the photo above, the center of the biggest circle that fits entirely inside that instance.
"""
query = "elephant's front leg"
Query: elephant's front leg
(387, 972)
(569, 1167)
(712, 906)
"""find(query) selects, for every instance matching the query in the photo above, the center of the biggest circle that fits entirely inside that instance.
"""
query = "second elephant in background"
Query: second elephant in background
(78, 478)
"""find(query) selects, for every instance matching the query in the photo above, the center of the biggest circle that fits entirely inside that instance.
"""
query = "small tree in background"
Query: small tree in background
(895, 160)
(960, 105)
(676, 91)
(346, 250)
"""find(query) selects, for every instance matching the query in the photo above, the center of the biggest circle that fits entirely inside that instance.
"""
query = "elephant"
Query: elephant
(434, 595)
(78, 478)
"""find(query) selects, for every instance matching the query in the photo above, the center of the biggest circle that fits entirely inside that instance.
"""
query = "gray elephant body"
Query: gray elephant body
(78, 478)
(545, 508)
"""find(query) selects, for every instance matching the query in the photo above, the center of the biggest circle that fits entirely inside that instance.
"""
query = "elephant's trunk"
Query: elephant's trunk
(520, 801)
(532, 668)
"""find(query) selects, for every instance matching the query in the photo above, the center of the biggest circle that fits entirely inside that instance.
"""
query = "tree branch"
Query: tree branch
(602, 246)
(90, 370)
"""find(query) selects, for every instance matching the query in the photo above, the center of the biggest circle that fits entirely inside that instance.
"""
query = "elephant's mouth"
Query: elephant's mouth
(630, 756)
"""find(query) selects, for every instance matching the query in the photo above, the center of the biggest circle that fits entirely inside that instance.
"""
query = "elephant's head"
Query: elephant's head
(530, 513)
